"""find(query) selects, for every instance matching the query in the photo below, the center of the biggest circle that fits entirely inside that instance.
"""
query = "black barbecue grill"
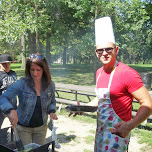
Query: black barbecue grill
(7, 143)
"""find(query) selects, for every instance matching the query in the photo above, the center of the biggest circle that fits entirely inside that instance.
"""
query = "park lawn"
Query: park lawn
(78, 74)
(141, 67)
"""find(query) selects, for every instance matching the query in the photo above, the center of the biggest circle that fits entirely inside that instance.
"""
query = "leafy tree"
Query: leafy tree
(65, 28)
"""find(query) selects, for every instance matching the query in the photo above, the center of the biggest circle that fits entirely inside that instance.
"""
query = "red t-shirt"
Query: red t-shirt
(124, 82)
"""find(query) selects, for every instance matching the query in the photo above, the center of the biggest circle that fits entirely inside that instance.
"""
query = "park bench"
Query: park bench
(87, 91)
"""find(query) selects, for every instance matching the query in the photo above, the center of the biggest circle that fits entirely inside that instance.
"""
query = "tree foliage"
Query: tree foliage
(64, 29)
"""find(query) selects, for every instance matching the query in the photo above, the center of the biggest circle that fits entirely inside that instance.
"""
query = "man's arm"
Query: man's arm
(94, 102)
(142, 96)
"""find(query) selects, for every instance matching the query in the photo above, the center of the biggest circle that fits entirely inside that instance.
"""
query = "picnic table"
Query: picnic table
(74, 89)
(88, 91)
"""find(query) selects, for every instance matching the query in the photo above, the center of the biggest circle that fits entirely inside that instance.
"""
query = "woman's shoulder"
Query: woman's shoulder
(25, 80)
(52, 82)
(51, 86)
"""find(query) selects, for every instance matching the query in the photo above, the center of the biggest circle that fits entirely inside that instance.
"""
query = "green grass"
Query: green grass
(92, 131)
(78, 74)
(75, 74)
(17, 68)
(142, 67)
(89, 139)
(86, 150)
(145, 136)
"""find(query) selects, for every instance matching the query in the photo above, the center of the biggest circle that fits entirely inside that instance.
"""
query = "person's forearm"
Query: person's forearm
(122, 128)
(142, 114)
(143, 97)
(94, 102)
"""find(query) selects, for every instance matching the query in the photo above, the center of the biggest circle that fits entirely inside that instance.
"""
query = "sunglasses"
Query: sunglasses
(108, 50)
(33, 56)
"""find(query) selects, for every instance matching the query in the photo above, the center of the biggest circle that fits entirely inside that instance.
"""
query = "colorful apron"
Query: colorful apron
(106, 119)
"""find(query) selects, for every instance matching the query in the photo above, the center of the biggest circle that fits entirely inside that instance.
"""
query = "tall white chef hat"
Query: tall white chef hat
(104, 30)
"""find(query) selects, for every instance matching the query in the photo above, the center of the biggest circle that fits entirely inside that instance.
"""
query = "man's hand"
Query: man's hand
(76, 113)
(13, 118)
(122, 129)
(53, 116)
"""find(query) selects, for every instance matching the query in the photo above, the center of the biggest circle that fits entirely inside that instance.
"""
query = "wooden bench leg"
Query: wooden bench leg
(57, 94)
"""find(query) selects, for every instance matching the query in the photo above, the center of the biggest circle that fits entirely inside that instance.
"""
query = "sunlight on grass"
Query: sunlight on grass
(79, 74)
(89, 139)
(145, 136)
(86, 150)
(92, 131)
(141, 67)
(136, 106)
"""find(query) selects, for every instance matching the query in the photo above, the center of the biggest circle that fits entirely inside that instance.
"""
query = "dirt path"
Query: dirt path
(75, 136)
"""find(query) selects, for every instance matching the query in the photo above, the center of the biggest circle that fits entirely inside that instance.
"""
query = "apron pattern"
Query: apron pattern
(106, 119)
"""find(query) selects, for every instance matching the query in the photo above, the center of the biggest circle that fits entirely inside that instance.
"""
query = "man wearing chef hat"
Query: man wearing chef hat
(7, 78)
(116, 86)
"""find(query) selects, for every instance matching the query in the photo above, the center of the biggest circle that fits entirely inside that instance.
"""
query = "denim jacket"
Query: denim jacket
(27, 100)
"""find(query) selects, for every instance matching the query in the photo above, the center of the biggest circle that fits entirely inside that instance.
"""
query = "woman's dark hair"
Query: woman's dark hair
(39, 60)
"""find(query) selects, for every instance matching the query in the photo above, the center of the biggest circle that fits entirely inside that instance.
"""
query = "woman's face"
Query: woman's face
(36, 72)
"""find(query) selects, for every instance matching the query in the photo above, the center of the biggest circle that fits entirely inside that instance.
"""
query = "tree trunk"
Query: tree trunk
(48, 48)
(74, 59)
(37, 33)
(64, 56)
(31, 42)
(23, 51)
(95, 58)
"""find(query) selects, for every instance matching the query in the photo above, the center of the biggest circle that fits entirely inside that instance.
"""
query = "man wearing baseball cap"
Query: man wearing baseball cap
(7, 78)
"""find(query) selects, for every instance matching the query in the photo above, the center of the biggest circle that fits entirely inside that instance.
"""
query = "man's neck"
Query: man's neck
(109, 67)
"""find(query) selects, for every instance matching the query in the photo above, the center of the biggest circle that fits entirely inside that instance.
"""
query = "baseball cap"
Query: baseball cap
(5, 58)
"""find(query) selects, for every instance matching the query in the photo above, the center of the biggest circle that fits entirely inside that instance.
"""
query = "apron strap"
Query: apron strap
(112, 73)
(111, 76)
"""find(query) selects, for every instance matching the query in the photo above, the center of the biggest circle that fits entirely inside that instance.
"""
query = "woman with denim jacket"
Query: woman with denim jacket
(36, 94)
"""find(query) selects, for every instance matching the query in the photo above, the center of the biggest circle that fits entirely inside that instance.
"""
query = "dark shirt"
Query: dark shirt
(36, 119)
(6, 80)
